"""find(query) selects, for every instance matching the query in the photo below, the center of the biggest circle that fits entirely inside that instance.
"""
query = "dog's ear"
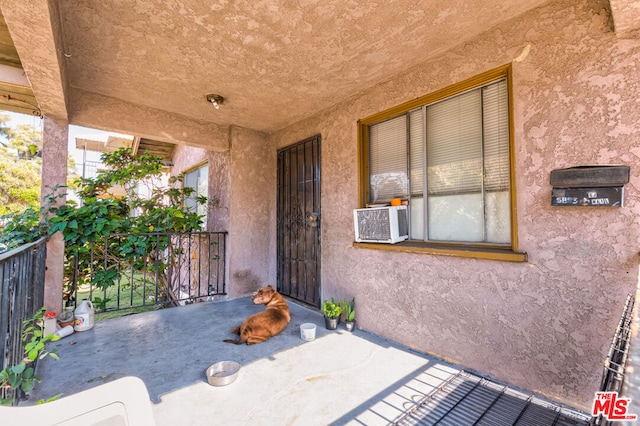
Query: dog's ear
(270, 286)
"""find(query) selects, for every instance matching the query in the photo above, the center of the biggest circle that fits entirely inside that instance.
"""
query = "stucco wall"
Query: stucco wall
(219, 191)
(241, 187)
(543, 325)
(186, 157)
(252, 172)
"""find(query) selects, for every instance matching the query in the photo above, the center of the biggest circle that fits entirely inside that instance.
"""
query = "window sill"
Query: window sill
(507, 255)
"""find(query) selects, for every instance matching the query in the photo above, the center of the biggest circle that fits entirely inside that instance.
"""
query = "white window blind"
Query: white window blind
(468, 167)
(454, 145)
(496, 136)
(388, 160)
(417, 148)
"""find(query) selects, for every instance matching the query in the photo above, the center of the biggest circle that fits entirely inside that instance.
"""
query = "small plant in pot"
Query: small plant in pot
(349, 314)
(332, 311)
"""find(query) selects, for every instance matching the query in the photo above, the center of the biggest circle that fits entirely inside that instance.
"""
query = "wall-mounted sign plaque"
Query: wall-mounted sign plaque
(588, 197)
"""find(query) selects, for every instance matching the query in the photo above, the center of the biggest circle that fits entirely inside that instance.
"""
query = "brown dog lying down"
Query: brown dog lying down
(263, 325)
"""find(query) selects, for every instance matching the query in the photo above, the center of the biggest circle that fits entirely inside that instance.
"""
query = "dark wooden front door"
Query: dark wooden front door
(299, 221)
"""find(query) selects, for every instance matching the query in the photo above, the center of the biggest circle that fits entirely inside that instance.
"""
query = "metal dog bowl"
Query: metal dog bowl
(223, 373)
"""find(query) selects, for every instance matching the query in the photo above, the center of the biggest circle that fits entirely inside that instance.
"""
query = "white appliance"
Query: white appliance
(381, 224)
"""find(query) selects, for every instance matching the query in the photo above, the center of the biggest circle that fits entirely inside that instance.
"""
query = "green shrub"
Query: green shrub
(21, 377)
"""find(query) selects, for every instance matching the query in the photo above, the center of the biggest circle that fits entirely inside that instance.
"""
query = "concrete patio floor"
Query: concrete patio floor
(339, 378)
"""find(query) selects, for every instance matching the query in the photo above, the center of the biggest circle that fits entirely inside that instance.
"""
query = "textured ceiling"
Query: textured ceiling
(275, 62)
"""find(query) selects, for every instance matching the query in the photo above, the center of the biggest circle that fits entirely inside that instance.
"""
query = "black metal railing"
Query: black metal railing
(613, 375)
(21, 295)
(153, 269)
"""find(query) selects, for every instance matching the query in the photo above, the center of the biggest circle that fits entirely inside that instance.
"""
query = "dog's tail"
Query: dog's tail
(235, 342)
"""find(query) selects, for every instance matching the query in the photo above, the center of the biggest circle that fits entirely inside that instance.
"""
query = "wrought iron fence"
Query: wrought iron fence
(21, 295)
(613, 375)
(153, 269)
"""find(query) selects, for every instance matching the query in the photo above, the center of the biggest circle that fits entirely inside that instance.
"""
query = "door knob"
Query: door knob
(313, 220)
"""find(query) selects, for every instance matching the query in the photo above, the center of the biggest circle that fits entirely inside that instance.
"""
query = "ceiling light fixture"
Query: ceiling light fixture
(216, 100)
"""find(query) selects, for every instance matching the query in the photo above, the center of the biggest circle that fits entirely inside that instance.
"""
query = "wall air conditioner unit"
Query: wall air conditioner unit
(381, 224)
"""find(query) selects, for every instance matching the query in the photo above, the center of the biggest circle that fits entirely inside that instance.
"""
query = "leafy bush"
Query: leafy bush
(21, 228)
(88, 225)
(21, 377)
(89, 229)
(20, 167)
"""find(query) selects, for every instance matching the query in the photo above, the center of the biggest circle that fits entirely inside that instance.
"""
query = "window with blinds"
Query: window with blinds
(451, 160)
(388, 160)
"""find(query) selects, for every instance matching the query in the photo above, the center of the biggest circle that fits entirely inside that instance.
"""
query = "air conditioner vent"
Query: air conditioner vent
(381, 224)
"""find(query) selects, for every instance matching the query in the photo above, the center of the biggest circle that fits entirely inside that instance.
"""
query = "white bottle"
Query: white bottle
(64, 331)
(84, 316)
(50, 325)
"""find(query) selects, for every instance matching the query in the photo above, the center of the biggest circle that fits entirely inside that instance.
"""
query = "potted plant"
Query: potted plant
(332, 311)
(349, 314)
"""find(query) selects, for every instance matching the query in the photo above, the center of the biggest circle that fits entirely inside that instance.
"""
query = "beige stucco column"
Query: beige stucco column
(54, 173)
(252, 187)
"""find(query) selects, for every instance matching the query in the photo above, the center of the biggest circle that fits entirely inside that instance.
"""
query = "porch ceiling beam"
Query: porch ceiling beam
(626, 15)
(102, 112)
(34, 26)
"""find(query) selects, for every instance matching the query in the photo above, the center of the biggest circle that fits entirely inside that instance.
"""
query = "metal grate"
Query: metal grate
(614, 365)
(373, 224)
(467, 399)
(613, 375)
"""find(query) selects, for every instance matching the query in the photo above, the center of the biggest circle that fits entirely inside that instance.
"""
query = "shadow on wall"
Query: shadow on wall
(245, 282)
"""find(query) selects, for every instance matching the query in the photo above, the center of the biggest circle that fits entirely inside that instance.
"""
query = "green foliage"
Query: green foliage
(34, 339)
(25, 141)
(161, 210)
(100, 303)
(87, 223)
(20, 167)
(19, 184)
(331, 309)
(21, 228)
(93, 226)
(21, 376)
(104, 278)
(53, 398)
(349, 309)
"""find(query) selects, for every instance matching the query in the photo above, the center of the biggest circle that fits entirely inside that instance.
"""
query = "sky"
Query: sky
(16, 119)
